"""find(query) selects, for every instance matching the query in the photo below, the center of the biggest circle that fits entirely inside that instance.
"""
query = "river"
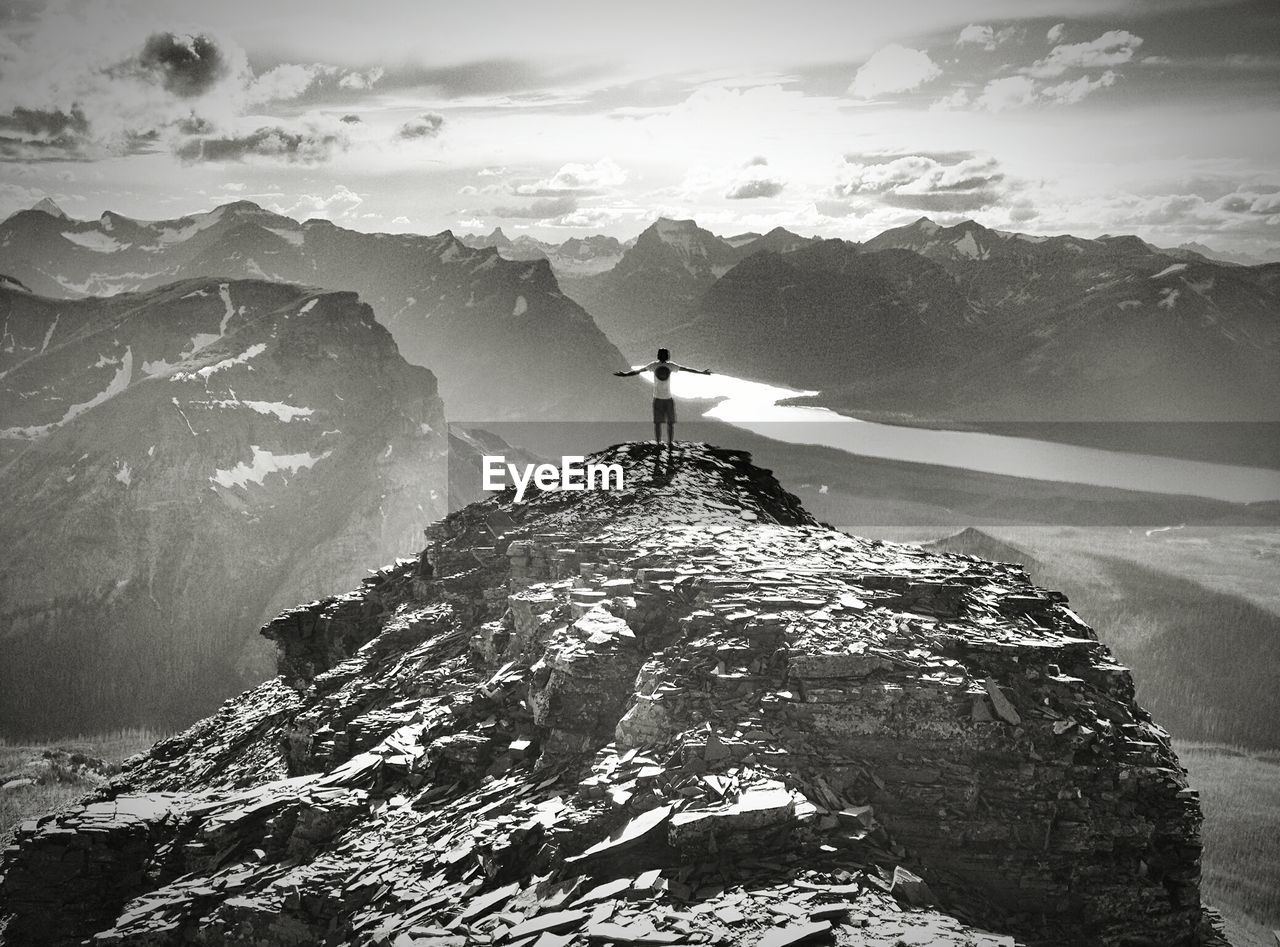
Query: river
(754, 406)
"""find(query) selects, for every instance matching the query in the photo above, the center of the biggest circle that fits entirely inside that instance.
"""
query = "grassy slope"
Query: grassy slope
(59, 789)
(1240, 795)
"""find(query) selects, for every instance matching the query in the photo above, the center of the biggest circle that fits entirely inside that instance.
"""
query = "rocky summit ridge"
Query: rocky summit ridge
(683, 712)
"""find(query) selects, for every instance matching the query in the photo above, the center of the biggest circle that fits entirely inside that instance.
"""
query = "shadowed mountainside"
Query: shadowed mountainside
(180, 464)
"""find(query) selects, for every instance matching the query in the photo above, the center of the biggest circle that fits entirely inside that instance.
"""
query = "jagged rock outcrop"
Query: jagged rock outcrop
(179, 465)
(679, 713)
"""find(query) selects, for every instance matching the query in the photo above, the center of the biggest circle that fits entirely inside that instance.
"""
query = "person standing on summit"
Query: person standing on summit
(664, 406)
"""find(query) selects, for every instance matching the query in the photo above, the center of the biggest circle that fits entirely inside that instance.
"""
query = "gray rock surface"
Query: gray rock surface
(680, 713)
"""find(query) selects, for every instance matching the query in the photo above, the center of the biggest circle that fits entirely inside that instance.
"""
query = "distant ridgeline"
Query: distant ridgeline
(958, 323)
(498, 334)
(679, 712)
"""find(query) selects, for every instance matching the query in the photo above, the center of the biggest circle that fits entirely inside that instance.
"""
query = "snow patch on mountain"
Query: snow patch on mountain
(225, 292)
(968, 246)
(264, 463)
(521, 307)
(95, 241)
(285, 412)
(119, 382)
(172, 235)
(1170, 270)
(254, 350)
(158, 368)
(103, 284)
(294, 237)
(49, 335)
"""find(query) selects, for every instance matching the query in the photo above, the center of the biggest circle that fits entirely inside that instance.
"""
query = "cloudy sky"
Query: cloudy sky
(838, 117)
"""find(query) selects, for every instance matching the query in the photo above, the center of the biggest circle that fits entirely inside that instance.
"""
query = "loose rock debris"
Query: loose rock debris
(645, 717)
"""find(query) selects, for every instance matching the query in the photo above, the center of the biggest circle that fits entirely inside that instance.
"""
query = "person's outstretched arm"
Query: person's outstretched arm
(685, 368)
(636, 371)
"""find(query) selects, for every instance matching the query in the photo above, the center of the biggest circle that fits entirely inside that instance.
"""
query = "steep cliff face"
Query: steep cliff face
(182, 464)
(682, 712)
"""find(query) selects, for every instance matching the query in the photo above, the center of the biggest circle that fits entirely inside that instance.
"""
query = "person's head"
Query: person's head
(663, 355)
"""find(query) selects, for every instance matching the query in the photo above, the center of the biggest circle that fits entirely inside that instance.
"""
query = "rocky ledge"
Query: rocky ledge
(679, 713)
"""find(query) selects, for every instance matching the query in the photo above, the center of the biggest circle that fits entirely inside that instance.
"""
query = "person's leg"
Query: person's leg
(671, 426)
(657, 433)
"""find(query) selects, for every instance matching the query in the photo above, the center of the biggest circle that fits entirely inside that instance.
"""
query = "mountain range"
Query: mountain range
(966, 323)
(657, 283)
(179, 463)
(577, 256)
(501, 337)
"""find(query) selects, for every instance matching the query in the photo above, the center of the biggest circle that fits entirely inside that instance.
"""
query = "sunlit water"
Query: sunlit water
(754, 406)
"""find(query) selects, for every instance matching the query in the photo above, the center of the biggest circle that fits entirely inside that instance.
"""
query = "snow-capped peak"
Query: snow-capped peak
(46, 205)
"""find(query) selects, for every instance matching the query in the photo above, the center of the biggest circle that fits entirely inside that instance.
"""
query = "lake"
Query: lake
(754, 406)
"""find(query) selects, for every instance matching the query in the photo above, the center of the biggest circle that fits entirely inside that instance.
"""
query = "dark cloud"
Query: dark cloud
(954, 202)
(195, 125)
(303, 147)
(829, 208)
(187, 66)
(45, 124)
(426, 125)
(759, 161)
(43, 134)
(540, 209)
(485, 77)
(960, 184)
(351, 119)
(759, 187)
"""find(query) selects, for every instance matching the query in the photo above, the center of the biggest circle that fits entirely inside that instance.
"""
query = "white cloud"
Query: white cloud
(341, 203)
(977, 35)
(284, 82)
(955, 184)
(893, 69)
(755, 187)
(987, 37)
(361, 80)
(956, 100)
(1112, 48)
(1009, 92)
(593, 217)
(576, 178)
(1072, 91)
(1055, 32)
